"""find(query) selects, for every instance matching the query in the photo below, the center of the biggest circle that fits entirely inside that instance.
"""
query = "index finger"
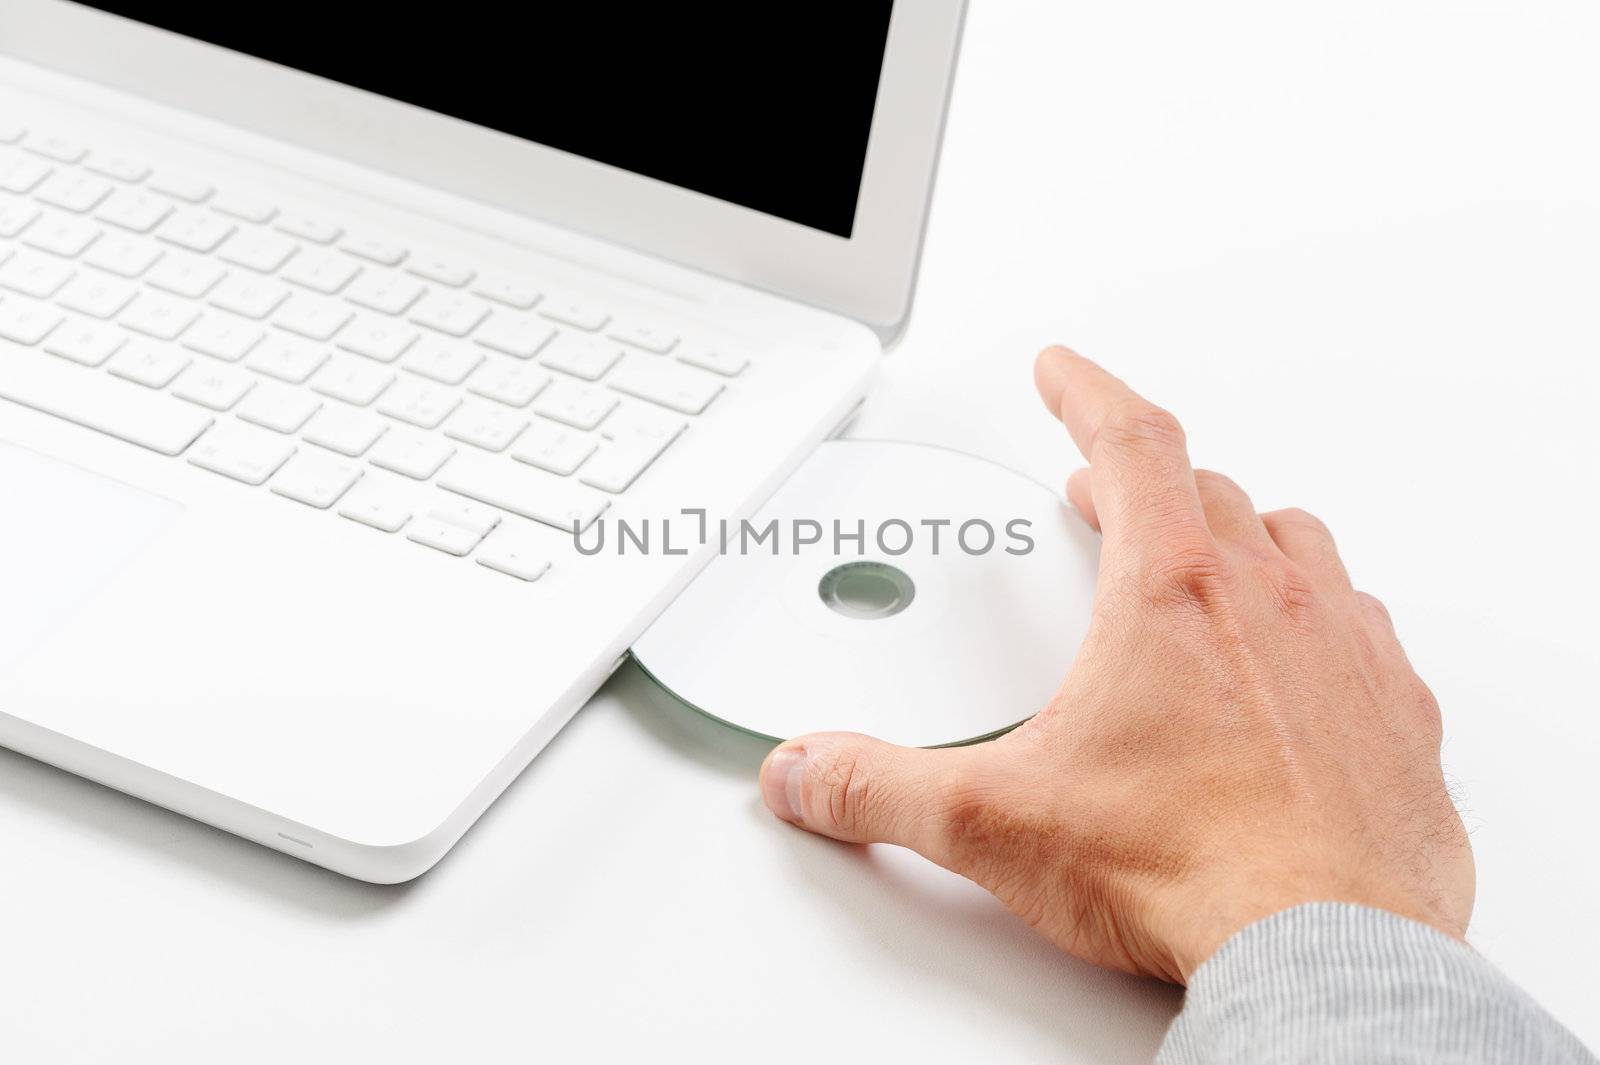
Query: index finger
(1144, 487)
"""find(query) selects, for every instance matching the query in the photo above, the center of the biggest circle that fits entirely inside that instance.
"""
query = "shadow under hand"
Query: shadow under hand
(934, 924)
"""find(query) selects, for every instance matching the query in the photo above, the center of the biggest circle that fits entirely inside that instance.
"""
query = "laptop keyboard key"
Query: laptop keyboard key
(148, 364)
(213, 386)
(675, 387)
(443, 536)
(479, 424)
(241, 452)
(524, 491)
(316, 479)
(86, 343)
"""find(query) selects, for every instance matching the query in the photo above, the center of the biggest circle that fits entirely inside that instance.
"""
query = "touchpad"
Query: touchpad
(64, 534)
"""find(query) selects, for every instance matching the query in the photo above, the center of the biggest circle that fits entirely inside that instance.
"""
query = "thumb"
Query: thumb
(861, 790)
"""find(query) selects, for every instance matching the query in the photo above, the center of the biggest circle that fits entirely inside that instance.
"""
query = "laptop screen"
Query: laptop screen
(764, 105)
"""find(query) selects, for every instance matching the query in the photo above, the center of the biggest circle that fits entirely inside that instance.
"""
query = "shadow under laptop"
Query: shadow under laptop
(124, 821)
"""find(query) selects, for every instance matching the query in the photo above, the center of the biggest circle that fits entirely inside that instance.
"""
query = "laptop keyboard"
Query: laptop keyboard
(333, 367)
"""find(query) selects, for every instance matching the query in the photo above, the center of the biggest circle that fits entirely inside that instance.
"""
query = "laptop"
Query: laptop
(326, 344)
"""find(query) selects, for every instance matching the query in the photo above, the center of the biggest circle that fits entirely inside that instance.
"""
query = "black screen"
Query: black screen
(763, 105)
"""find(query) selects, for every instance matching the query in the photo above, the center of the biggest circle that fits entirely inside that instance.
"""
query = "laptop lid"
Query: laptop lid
(788, 147)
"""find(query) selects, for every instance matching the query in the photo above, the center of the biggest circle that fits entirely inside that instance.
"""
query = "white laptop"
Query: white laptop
(320, 335)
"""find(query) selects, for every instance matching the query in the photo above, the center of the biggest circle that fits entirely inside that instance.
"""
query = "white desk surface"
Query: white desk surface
(1355, 248)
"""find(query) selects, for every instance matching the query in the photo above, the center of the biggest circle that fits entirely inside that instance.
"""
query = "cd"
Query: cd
(914, 593)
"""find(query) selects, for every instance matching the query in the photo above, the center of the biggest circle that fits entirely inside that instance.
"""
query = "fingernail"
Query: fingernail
(780, 788)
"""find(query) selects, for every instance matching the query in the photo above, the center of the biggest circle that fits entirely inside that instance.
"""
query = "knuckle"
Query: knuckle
(1293, 591)
(1306, 520)
(1194, 573)
(1137, 425)
(1429, 711)
(1373, 605)
(836, 795)
(1211, 480)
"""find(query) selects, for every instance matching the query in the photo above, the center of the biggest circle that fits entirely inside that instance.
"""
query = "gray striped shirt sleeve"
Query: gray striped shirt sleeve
(1334, 982)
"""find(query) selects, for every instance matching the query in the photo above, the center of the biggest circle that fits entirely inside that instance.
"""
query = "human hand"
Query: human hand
(1241, 731)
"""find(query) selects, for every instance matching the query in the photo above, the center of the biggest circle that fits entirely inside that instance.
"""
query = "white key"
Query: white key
(158, 316)
(316, 479)
(137, 211)
(151, 365)
(508, 383)
(180, 186)
(283, 410)
(96, 295)
(313, 229)
(720, 362)
(355, 381)
(238, 451)
(321, 271)
(643, 336)
(577, 315)
(311, 317)
(222, 336)
(120, 167)
(642, 420)
(349, 432)
(451, 539)
(676, 387)
(418, 403)
(246, 208)
(287, 359)
(524, 491)
(60, 234)
(257, 249)
(442, 361)
(253, 297)
(27, 322)
(98, 402)
(515, 335)
(184, 275)
(588, 357)
(213, 386)
(620, 462)
(89, 343)
(35, 275)
(15, 216)
(372, 504)
(441, 270)
(467, 515)
(58, 148)
(574, 405)
(124, 256)
(553, 447)
(373, 250)
(195, 230)
(450, 314)
(73, 191)
(385, 293)
(491, 428)
(377, 338)
(10, 132)
(507, 290)
(514, 555)
(411, 454)
(18, 173)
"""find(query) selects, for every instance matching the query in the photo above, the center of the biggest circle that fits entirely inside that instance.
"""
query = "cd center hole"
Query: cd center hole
(866, 590)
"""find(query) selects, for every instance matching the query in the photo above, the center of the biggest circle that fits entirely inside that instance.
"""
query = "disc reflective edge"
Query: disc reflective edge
(978, 597)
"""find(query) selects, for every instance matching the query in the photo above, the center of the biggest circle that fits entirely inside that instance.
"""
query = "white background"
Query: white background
(1355, 249)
